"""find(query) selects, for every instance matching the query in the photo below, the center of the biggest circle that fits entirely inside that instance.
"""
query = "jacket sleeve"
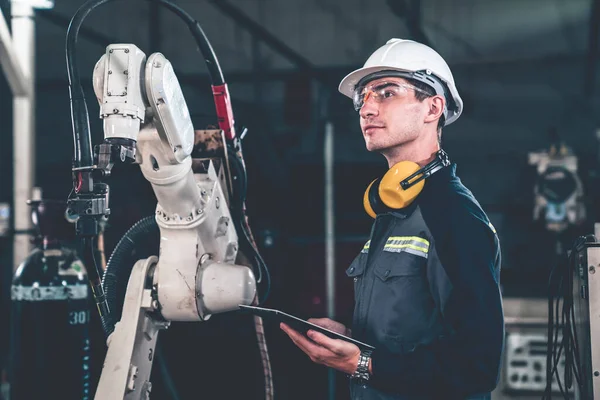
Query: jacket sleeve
(463, 275)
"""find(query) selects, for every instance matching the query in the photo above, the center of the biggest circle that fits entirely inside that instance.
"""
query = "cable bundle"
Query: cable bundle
(562, 332)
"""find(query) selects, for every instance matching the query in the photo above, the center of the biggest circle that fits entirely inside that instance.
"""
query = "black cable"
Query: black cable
(82, 156)
(214, 69)
(550, 342)
(561, 318)
(119, 266)
(240, 178)
(88, 253)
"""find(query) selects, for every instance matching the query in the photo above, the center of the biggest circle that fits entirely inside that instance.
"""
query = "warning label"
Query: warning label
(47, 293)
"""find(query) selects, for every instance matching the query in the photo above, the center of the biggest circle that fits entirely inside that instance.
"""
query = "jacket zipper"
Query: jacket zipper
(360, 283)
(363, 313)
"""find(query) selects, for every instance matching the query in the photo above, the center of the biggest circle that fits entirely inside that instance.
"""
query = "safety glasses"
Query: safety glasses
(382, 92)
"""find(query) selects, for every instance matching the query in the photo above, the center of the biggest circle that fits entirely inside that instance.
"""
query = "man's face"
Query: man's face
(391, 114)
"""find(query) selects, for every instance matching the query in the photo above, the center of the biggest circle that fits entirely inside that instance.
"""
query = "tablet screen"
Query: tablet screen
(301, 325)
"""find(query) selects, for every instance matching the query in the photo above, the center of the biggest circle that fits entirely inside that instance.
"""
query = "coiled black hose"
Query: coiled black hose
(118, 270)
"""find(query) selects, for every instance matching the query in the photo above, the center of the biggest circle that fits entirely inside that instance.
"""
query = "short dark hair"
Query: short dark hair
(422, 96)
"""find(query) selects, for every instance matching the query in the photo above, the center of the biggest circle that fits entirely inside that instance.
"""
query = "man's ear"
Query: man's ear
(436, 108)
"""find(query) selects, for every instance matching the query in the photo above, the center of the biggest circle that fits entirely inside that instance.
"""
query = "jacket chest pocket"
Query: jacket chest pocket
(401, 304)
(402, 256)
(356, 271)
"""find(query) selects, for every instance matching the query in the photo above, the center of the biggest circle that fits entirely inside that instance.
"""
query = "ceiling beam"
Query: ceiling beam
(259, 32)
(589, 81)
(63, 22)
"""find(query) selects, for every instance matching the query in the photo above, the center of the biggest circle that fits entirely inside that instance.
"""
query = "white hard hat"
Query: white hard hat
(411, 60)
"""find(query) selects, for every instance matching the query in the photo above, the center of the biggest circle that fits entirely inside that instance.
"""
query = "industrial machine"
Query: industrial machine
(208, 261)
(50, 313)
(586, 315)
(574, 321)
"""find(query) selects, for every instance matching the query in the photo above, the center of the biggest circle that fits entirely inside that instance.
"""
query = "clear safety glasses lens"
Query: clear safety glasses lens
(380, 92)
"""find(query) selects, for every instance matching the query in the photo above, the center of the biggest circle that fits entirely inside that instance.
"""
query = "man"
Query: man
(427, 282)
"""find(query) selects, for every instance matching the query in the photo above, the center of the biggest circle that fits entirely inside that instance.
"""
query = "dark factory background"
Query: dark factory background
(526, 69)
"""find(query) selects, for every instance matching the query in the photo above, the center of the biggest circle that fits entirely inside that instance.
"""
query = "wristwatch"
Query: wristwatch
(362, 370)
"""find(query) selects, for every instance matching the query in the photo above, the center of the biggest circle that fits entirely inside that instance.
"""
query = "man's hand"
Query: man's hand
(332, 325)
(334, 353)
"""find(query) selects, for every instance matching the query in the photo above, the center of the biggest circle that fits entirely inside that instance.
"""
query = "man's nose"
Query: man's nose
(369, 107)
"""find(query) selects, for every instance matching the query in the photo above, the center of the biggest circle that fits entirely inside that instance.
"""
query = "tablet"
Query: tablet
(301, 325)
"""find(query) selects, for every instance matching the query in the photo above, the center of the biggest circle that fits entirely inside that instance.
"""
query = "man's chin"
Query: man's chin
(373, 147)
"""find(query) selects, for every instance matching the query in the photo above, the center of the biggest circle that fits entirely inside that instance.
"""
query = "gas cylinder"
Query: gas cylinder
(50, 314)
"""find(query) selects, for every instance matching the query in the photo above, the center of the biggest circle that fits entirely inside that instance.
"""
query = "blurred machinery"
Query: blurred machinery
(533, 364)
(558, 189)
(208, 262)
(49, 338)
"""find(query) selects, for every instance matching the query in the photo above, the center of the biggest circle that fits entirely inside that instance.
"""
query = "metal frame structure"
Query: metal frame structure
(17, 57)
(586, 310)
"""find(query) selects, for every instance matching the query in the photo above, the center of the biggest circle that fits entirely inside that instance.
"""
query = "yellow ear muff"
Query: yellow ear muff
(387, 192)
(390, 191)
(367, 203)
(401, 185)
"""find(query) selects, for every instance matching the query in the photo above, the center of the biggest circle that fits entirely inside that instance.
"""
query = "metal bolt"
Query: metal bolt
(150, 355)
(115, 110)
(109, 94)
(109, 72)
(199, 211)
(124, 93)
(126, 72)
(110, 51)
(592, 269)
(203, 192)
(596, 373)
(126, 50)
(217, 202)
(189, 218)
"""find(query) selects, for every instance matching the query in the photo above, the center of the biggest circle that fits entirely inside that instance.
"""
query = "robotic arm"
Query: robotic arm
(146, 121)
(141, 102)
(194, 276)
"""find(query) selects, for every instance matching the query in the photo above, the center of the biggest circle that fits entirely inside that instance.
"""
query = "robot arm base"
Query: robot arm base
(126, 371)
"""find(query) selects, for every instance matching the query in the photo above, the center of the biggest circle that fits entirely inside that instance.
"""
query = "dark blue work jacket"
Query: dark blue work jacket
(427, 296)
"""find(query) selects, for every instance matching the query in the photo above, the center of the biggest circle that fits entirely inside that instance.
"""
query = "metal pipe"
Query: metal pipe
(23, 33)
(9, 62)
(329, 156)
